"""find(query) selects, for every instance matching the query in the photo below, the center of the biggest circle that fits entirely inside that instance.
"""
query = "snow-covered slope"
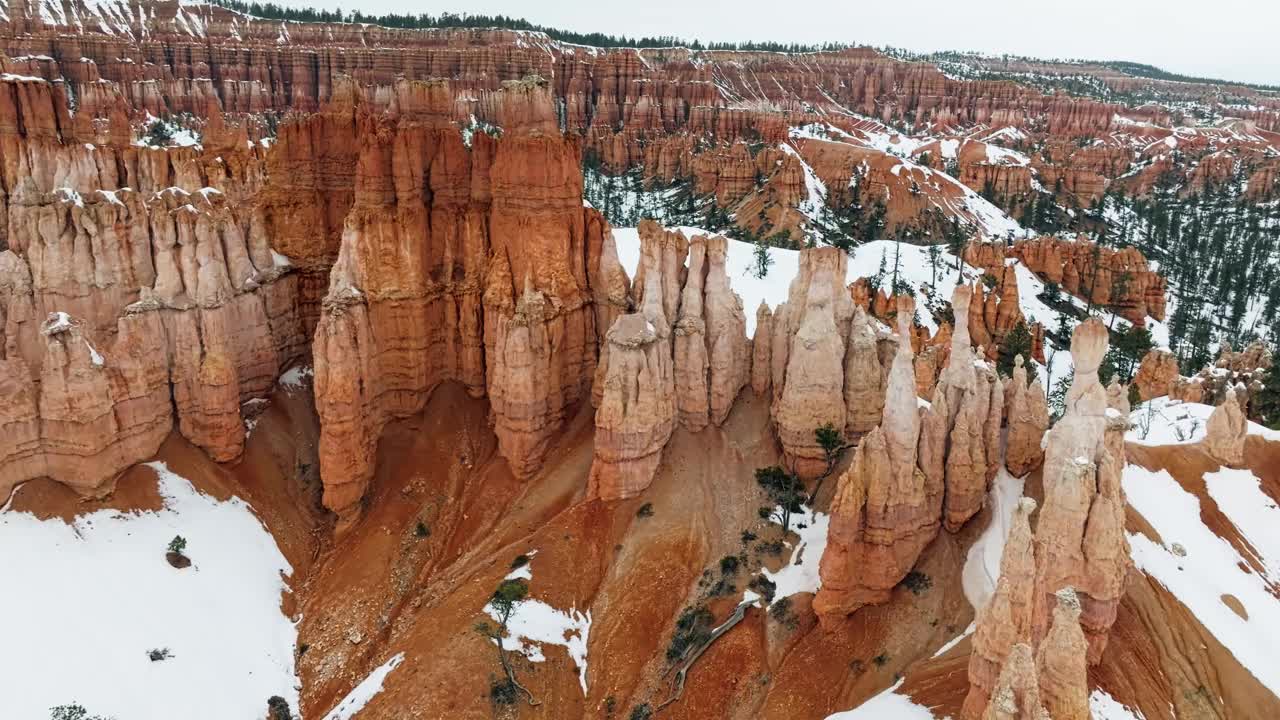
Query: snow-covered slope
(888, 705)
(1162, 421)
(982, 564)
(361, 694)
(84, 603)
(1201, 569)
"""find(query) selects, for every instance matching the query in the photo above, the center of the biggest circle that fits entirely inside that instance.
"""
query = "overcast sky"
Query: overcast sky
(1232, 39)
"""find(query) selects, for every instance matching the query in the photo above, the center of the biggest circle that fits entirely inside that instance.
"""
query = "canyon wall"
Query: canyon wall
(138, 291)
(460, 259)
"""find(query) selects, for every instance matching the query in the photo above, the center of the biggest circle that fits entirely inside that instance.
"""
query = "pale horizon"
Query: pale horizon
(1177, 36)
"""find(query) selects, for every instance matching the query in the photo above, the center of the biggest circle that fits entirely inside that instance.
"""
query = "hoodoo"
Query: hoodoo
(453, 365)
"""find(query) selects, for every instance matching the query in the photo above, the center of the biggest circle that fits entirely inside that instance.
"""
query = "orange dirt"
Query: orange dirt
(387, 587)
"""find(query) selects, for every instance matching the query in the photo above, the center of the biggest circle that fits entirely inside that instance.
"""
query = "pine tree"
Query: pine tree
(955, 244)
(1266, 402)
(1127, 350)
(1016, 342)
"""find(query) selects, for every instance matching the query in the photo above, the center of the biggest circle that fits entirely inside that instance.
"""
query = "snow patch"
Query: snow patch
(1161, 421)
(973, 626)
(800, 574)
(1105, 707)
(888, 705)
(58, 321)
(982, 564)
(533, 623)
(361, 694)
(221, 620)
(1239, 495)
(293, 378)
(94, 357)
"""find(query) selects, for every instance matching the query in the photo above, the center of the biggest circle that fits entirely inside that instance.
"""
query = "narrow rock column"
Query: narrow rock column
(1080, 540)
(1226, 430)
(1017, 694)
(1062, 673)
(1027, 410)
(761, 345)
(1006, 618)
(882, 516)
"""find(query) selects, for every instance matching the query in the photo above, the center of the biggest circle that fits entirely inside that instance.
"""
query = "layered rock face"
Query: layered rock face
(656, 372)
(137, 288)
(671, 113)
(1156, 373)
(1080, 539)
(1119, 280)
(885, 509)
(961, 438)
(808, 358)
(456, 263)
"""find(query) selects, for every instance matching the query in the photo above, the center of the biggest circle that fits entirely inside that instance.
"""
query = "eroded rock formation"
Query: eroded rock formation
(456, 263)
(713, 358)
(968, 402)
(1244, 371)
(638, 410)
(1060, 662)
(1119, 280)
(1027, 410)
(808, 358)
(136, 292)
(885, 511)
(1226, 430)
(1156, 374)
(1005, 621)
(654, 373)
(863, 379)
(1080, 539)
(1017, 692)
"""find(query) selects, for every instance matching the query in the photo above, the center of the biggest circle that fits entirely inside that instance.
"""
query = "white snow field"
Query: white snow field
(1162, 421)
(1239, 496)
(982, 564)
(1199, 568)
(85, 602)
